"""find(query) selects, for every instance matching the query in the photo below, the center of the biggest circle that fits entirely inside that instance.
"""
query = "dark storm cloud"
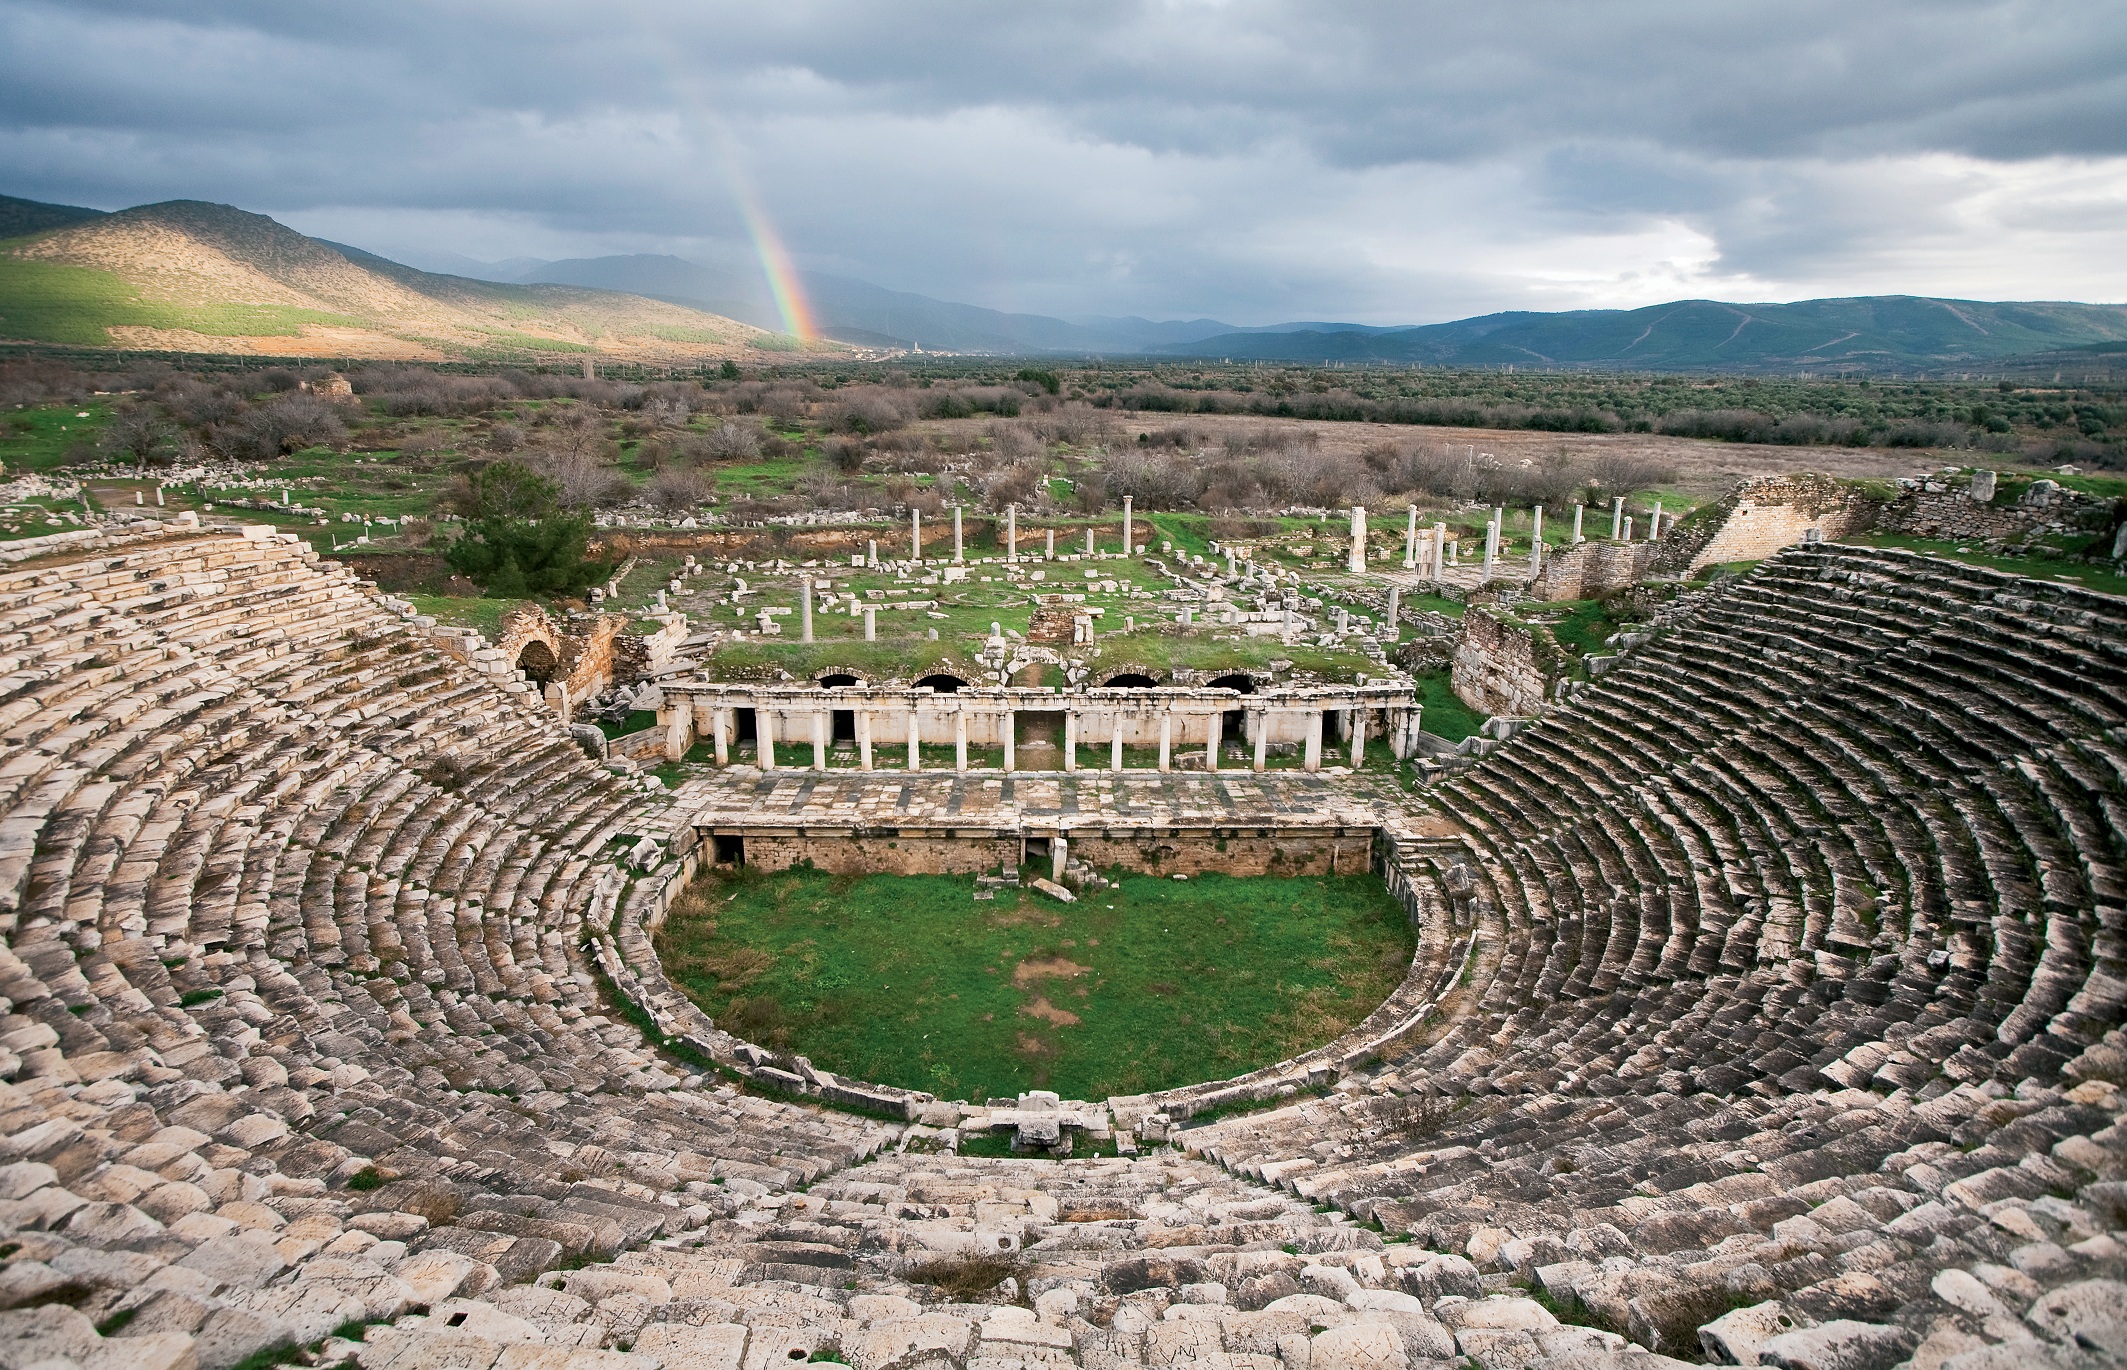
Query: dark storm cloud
(1380, 161)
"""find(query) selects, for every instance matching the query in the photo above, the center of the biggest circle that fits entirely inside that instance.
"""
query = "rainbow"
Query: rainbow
(776, 266)
(782, 273)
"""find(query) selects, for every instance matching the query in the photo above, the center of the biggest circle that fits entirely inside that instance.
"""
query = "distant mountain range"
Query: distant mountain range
(1865, 334)
(190, 276)
(1868, 333)
(850, 311)
(187, 276)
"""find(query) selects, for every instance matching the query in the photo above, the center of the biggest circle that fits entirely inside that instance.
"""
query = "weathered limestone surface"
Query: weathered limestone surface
(1500, 666)
(1760, 517)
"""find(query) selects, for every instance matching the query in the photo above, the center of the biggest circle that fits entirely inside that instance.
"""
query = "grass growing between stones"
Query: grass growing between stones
(908, 980)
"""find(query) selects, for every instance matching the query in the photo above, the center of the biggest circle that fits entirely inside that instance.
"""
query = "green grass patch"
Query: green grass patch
(37, 439)
(910, 981)
(636, 721)
(772, 476)
(1441, 713)
(482, 615)
(1586, 624)
(49, 302)
(1439, 604)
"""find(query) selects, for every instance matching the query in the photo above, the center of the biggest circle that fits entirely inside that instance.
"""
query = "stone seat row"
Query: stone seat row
(1794, 865)
(193, 872)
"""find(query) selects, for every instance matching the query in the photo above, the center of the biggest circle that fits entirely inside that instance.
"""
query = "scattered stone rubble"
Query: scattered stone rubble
(1771, 1002)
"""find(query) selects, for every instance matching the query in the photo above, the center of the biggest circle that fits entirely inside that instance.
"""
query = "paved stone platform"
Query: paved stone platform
(974, 800)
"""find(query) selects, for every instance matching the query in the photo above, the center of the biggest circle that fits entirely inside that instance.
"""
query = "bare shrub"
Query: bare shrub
(786, 404)
(731, 441)
(845, 454)
(872, 409)
(285, 424)
(1012, 441)
(583, 479)
(1077, 424)
(1155, 481)
(666, 413)
(1089, 492)
(1022, 483)
(140, 434)
(678, 489)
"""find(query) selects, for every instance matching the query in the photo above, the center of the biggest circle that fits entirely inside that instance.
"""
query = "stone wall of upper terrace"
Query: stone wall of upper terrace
(1760, 517)
(1286, 716)
(1983, 508)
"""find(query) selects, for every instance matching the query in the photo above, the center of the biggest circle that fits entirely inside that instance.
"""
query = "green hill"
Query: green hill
(189, 276)
(1868, 333)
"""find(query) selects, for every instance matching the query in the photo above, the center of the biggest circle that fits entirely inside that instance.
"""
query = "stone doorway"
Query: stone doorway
(1039, 740)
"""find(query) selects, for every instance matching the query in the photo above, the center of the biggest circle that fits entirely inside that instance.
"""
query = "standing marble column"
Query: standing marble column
(1262, 718)
(960, 739)
(1011, 728)
(805, 608)
(1166, 737)
(1089, 542)
(1395, 611)
(957, 557)
(1115, 743)
(1129, 545)
(1356, 561)
(1654, 524)
(1048, 553)
(719, 737)
(915, 536)
(1070, 747)
(1578, 510)
(871, 623)
(1617, 516)
(1440, 552)
(1410, 540)
(1212, 739)
(764, 734)
(1358, 716)
(1536, 542)
(1011, 534)
(864, 739)
(1312, 760)
(820, 724)
(915, 740)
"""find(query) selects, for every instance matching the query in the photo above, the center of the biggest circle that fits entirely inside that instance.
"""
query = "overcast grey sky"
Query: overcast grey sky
(1255, 162)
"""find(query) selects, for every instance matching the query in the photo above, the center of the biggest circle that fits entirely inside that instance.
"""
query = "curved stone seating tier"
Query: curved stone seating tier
(1814, 898)
(293, 898)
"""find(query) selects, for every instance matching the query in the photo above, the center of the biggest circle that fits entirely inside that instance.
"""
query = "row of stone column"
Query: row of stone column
(1426, 551)
(1011, 535)
(721, 734)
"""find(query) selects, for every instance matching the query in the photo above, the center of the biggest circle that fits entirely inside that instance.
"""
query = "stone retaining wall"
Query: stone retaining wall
(1981, 509)
(842, 853)
(1590, 570)
(1759, 517)
(1499, 667)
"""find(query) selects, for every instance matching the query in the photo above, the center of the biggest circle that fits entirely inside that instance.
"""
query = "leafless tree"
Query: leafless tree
(732, 440)
(583, 480)
(677, 489)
